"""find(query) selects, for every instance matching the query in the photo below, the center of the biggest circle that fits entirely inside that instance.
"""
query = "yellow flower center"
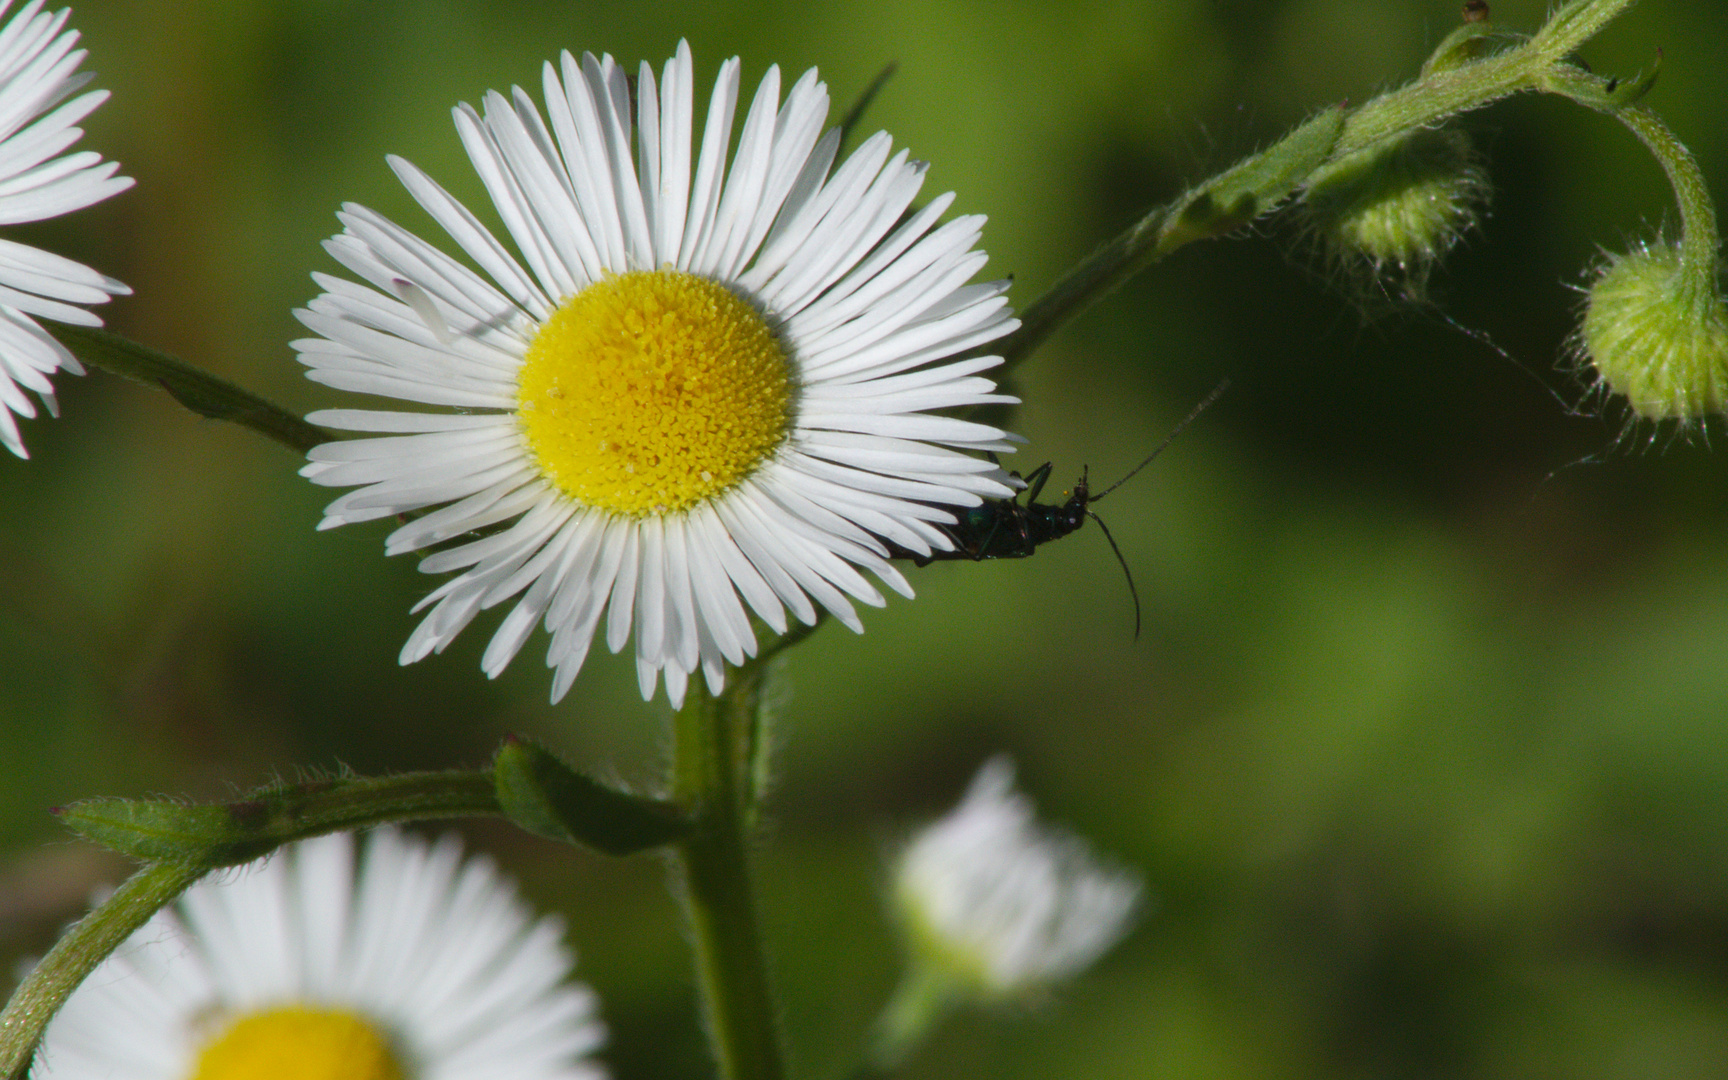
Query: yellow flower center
(299, 1043)
(653, 391)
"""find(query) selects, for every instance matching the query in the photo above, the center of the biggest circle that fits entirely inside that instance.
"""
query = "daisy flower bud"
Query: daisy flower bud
(1656, 335)
(1001, 904)
(995, 906)
(1394, 209)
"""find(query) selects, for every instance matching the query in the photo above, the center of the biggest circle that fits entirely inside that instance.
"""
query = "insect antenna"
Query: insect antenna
(1205, 403)
(1132, 591)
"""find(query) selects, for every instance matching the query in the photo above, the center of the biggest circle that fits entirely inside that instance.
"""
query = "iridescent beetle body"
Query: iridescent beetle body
(1011, 529)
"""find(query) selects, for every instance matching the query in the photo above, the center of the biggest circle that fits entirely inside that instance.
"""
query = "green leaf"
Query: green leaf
(227, 834)
(158, 830)
(548, 798)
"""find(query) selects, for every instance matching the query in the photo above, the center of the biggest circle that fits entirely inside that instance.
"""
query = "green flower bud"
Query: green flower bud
(1656, 335)
(1392, 210)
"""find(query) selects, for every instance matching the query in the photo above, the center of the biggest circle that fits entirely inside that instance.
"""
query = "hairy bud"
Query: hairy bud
(1390, 212)
(1656, 337)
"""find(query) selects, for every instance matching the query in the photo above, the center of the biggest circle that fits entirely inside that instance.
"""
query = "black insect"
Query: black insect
(1011, 529)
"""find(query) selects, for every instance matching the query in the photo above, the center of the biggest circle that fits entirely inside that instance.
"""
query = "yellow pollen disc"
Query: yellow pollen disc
(653, 391)
(299, 1043)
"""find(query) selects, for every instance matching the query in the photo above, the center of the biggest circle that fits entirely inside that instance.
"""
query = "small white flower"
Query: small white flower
(38, 180)
(414, 966)
(1000, 905)
(705, 390)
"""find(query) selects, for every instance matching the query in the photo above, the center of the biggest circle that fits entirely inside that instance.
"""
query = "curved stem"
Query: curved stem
(1698, 237)
(77, 953)
(713, 777)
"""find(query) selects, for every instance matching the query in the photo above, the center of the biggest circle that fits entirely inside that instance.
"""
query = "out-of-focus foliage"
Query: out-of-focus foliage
(1424, 751)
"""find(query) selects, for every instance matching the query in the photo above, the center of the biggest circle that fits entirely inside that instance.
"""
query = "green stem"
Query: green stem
(1261, 181)
(920, 1002)
(197, 390)
(182, 843)
(1574, 24)
(1699, 240)
(712, 777)
(1445, 93)
(77, 953)
(1091, 280)
(1228, 201)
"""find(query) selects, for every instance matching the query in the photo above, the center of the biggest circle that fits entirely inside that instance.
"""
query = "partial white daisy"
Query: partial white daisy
(700, 382)
(412, 965)
(996, 905)
(38, 180)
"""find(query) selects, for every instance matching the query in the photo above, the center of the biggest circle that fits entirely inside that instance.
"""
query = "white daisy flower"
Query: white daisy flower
(999, 905)
(38, 180)
(415, 965)
(700, 383)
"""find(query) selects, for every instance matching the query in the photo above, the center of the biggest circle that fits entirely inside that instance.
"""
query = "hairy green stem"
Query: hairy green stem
(1574, 24)
(77, 953)
(182, 843)
(1443, 91)
(713, 777)
(1699, 241)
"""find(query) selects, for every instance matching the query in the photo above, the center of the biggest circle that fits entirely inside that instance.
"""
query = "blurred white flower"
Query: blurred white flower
(413, 964)
(38, 180)
(703, 391)
(1000, 905)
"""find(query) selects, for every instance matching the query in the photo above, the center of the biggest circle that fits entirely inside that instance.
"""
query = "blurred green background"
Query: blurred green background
(1424, 751)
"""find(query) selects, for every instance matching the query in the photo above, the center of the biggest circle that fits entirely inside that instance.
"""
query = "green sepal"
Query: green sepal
(548, 798)
(1468, 42)
(1255, 186)
(1593, 91)
(196, 390)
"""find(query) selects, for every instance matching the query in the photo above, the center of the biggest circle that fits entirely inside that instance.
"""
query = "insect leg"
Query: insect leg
(1035, 482)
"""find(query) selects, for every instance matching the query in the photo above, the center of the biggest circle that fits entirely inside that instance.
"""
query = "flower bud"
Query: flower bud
(1656, 335)
(1002, 905)
(995, 906)
(1395, 208)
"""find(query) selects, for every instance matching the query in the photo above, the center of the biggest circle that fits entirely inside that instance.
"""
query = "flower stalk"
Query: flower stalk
(919, 1003)
(1451, 83)
(1699, 269)
(196, 389)
(715, 776)
(78, 952)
